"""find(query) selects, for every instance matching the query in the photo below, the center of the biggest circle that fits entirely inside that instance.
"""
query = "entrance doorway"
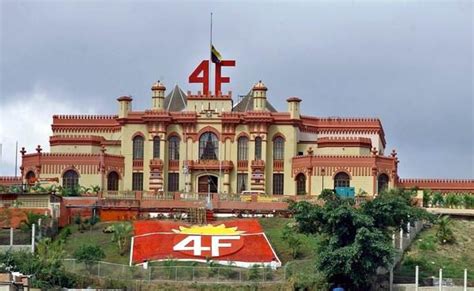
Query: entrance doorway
(207, 183)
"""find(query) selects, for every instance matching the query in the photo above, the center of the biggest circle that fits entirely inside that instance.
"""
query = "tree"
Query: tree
(355, 238)
(293, 239)
(121, 234)
(445, 233)
(88, 254)
(31, 218)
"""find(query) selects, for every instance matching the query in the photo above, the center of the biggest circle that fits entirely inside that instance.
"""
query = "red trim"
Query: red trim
(278, 134)
(138, 133)
(363, 142)
(174, 133)
(209, 129)
(444, 185)
(125, 98)
(293, 99)
(243, 134)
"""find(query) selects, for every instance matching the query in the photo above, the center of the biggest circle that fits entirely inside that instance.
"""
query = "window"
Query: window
(278, 184)
(342, 180)
(301, 184)
(242, 182)
(258, 148)
(112, 181)
(137, 182)
(208, 146)
(70, 179)
(173, 148)
(156, 147)
(242, 148)
(173, 182)
(138, 148)
(278, 148)
(382, 182)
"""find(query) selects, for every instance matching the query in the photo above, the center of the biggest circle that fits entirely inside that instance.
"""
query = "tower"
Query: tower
(259, 94)
(158, 95)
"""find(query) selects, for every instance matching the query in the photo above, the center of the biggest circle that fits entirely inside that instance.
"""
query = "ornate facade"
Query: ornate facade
(206, 143)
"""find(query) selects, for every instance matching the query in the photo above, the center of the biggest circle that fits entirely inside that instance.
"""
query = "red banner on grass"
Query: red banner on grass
(241, 242)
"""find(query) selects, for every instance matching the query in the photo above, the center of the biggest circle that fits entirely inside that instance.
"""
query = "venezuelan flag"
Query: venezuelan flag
(215, 55)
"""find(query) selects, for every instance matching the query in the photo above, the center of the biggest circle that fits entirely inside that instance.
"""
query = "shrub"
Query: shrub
(87, 254)
(254, 273)
(427, 195)
(438, 199)
(445, 233)
(428, 243)
(468, 201)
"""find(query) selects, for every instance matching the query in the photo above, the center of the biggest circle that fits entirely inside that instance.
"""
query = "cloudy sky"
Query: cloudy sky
(409, 63)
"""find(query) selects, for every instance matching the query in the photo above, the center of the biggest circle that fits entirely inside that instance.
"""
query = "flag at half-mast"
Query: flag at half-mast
(215, 55)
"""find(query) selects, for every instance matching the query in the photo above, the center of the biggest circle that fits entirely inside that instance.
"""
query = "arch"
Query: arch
(242, 148)
(243, 134)
(258, 148)
(138, 147)
(70, 179)
(174, 133)
(300, 184)
(208, 146)
(209, 129)
(30, 175)
(278, 134)
(382, 182)
(173, 147)
(278, 148)
(156, 147)
(342, 179)
(138, 133)
(113, 181)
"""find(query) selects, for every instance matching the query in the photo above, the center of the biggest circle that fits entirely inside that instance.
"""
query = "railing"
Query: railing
(173, 164)
(138, 164)
(192, 274)
(278, 165)
(119, 194)
(158, 196)
(242, 165)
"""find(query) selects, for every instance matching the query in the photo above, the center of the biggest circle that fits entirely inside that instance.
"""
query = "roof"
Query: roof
(246, 104)
(176, 100)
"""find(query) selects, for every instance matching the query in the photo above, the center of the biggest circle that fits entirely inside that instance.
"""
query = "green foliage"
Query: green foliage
(121, 234)
(293, 239)
(438, 199)
(88, 254)
(445, 233)
(468, 201)
(356, 238)
(453, 201)
(31, 218)
(254, 273)
(427, 195)
(45, 266)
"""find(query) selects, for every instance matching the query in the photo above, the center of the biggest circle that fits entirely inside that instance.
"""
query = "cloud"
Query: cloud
(26, 117)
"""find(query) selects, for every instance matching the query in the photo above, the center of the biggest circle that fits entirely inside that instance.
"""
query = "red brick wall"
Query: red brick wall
(17, 215)
(114, 215)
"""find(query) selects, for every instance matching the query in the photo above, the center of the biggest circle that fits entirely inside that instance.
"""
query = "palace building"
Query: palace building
(206, 143)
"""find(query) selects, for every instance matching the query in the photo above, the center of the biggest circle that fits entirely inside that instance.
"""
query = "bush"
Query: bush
(468, 201)
(438, 199)
(428, 243)
(88, 254)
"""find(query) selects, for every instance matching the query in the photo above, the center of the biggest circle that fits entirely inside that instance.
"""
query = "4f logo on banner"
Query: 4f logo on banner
(201, 75)
(208, 241)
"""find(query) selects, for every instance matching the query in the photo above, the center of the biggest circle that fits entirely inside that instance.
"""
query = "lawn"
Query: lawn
(95, 236)
(430, 255)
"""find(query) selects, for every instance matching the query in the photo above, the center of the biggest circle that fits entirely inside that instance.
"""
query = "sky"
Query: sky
(407, 62)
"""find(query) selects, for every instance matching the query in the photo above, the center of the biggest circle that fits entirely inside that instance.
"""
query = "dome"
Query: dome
(158, 86)
(260, 86)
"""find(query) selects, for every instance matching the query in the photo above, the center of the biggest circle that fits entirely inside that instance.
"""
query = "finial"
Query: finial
(38, 149)
(23, 151)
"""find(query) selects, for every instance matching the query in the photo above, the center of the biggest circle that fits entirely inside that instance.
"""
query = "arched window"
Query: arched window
(112, 181)
(138, 147)
(242, 148)
(342, 180)
(70, 179)
(278, 148)
(29, 176)
(301, 184)
(173, 148)
(156, 147)
(258, 148)
(382, 182)
(208, 146)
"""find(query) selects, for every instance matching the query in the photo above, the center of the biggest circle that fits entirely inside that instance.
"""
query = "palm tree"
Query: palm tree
(121, 234)
(445, 233)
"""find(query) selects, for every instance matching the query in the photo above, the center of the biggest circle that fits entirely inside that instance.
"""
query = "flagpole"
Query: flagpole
(210, 58)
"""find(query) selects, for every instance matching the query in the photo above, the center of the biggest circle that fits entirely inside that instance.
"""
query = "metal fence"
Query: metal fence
(16, 239)
(198, 274)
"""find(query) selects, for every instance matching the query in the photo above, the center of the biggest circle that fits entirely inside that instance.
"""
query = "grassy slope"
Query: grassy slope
(95, 236)
(430, 255)
(272, 226)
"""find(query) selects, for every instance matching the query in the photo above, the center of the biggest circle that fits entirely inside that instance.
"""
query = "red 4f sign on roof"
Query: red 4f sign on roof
(239, 241)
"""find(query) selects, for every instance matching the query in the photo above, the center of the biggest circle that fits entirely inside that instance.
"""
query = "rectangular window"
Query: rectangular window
(258, 148)
(278, 184)
(173, 182)
(137, 182)
(242, 182)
